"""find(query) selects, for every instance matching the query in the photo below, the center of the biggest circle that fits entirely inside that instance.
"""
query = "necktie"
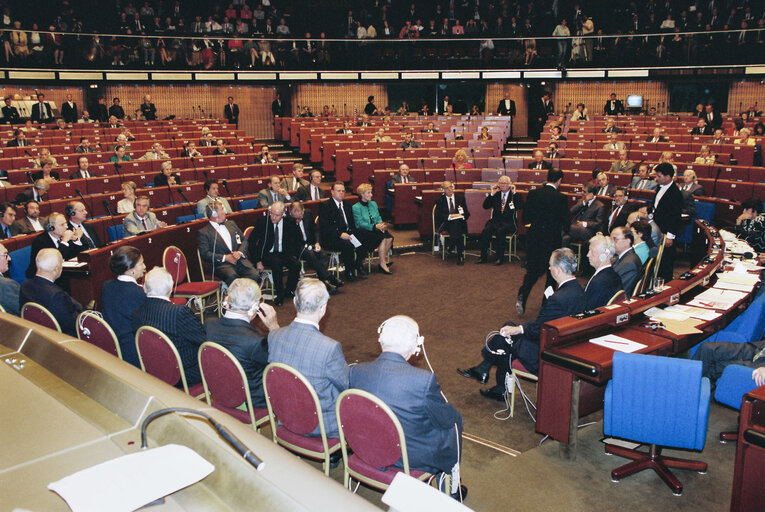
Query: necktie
(302, 230)
(145, 227)
(342, 210)
(406, 180)
(614, 216)
(274, 196)
(539, 165)
(277, 241)
(86, 239)
(504, 200)
(315, 192)
(451, 205)
(7, 232)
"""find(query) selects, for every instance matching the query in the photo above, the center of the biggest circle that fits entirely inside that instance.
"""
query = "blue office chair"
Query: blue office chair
(705, 211)
(660, 401)
(115, 232)
(20, 259)
(248, 204)
(187, 218)
(735, 381)
(748, 326)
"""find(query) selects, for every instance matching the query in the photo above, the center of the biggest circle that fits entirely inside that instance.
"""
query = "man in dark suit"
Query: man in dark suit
(148, 110)
(175, 321)
(542, 109)
(101, 113)
(432, 426)
(30, 223)
(278, 108)
(41, 111)
(504, 204)
(667, 211)
(506, 107)
(690, 185)
(274, 193)
(605, 282)
(313, 191)
(69, 110)
(613, 106)
(302, 244)
(10, 113)
(539, 162)
(602, 186)
(231, 112)
(8, 227)
(336, 229)
(82, 171)
(712, 116)
(77, 214)
(717, 355)
(234, 331)
(42, 289)
(19, 140)
(32, 193)
(627, 264)
(522, 341)
(702, 128)
(620, 211)
(116, 110)
(552, 152)
(656, 136)
(268, 246)
(9, 289)
(546, 210)
(223, 246)
(451, 216)
(319, 358)
(588, 216)
(56, 235)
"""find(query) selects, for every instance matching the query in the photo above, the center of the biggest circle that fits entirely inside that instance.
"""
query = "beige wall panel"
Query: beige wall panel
(55, 94)
(495, 92)
(595, 94)
(744, 94)
(348, 98)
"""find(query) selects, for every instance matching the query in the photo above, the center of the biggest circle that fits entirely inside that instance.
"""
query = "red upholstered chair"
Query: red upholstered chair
(517, 370)
(38, 314)
(225, 384)
(94, 329)
(175, 262)
(294, 411)
(160, 358)
(374, 435)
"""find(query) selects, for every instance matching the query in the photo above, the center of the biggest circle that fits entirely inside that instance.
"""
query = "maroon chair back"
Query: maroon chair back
(174, 262)
(157, 355)
(291, 401)
(369, 431)
(38, 314)
(94, 329)
(223, 378)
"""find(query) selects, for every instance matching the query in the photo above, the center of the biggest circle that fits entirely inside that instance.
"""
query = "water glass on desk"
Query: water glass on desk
(658, 284)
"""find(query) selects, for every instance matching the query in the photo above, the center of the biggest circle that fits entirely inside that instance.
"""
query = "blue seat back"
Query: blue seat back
(248, 204)
(748, 326)
(115, 232)
(20, 259)
(735, 381)
(185, 218)
(705, 211)
(657, 400)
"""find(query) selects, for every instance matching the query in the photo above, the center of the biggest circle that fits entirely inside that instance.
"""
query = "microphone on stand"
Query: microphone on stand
(717, 177)
(225, 185)
(109, 211)
(29, 177)
(180, 191)
(77, 191)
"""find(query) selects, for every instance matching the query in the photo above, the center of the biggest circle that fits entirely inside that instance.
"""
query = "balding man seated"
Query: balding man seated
(627, 264)
(78, 214)
(43, 290)
(504, 204)
(223, 246)
(175, 321)
(539, 162)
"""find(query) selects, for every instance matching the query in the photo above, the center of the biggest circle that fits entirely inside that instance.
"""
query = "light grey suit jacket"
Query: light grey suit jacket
(291, 183)
(266, 198)
(132, 225)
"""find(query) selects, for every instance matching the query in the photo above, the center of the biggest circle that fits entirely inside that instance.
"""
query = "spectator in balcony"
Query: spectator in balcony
(127, 203)
(580, 114)
(166, 176)
(744, 138)
(19, 42)
(82, 171)
(611, 127)
(116, 111)
(19, 139)
(562, 31)
(46, 173)
(613, 144)
(705, 156)
(54, 41)
(282, 29)
(409, 142)
(623, 164)
(461, 160)
(156, 153)
(119, 155)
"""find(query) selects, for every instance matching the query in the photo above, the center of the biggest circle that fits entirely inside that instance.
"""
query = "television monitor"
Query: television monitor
(634, 101)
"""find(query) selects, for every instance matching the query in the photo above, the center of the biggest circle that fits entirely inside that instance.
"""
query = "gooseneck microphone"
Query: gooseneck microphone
(105, 203)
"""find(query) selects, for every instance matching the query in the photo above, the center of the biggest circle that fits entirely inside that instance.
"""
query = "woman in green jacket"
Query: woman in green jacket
(370, 229)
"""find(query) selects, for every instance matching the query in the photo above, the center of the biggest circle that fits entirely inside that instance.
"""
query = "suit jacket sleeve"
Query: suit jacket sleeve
(189, 327)
(205, 241)
(66, 310)
(263, 199)
(9, 295)
(461, 202)
(243, 246)
(338, 371)
(442, 414)
(551, 310)
(130, 225)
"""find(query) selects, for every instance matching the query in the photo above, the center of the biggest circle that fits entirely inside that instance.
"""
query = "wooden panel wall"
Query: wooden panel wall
(495, 92)
(184, 101)
(595, 94)
(745, 93)
(55, 94)
(348, 98)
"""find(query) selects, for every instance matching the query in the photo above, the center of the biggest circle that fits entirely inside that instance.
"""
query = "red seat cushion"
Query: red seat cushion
(517, 365)
(243, 416)
(355, 463)
(308, 443)
(196, 288)
(196, 390)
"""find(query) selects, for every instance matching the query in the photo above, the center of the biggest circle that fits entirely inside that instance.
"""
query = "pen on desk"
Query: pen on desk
(616, 342)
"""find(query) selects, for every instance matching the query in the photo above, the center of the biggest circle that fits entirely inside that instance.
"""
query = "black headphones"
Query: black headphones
(69, 210)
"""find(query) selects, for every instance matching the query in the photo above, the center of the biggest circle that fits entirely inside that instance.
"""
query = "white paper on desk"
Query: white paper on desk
(738, 277)
(724, 306)
(131, 481)
(700, 313)
(355, 242)
(660, 314)
(617, 343)
(725, 285)
(716, 295)
(74, 264)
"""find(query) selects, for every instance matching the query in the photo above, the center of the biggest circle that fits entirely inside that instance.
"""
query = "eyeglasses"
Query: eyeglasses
(5, 255)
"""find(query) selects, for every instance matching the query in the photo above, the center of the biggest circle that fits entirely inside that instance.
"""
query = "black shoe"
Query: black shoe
(461, 258)
(383, 271)
(335, 282)
(279, 300)
(349, 277)
(390, 263)
(472, 373)
(460, 495)
(335, 459)
(332, 290)
(493, 395)
(480, 261)
(520, 307)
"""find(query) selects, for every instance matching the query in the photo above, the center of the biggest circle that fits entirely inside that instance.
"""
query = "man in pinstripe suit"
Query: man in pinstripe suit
(319, 358)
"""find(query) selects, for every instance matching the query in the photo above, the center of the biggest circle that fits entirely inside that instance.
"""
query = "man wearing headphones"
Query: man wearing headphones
(56, 235)
(77, 214)
(9, 289)
(212, 189)
(432, 426)
(223, 246)
(8, 227)
(605, 282)
(141, 219)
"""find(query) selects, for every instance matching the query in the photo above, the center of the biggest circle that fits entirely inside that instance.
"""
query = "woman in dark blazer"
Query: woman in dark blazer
(370, 229)
(121, 296)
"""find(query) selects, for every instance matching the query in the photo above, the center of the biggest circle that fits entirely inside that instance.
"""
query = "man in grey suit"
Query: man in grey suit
(312, 191)
(212, 190)
(274, 193)
(432, 426)
(642, 181)
(296, 181)
(141, 219)
(623, 164)
(319, 358)
(223, 246)
(402, 176)
(9, 289)
(627, 264)
(588, 216)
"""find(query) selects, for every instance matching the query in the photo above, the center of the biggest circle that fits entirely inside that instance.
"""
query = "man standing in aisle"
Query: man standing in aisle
(231, 112)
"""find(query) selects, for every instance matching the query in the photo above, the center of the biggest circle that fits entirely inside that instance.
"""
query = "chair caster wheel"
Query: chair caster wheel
(703, 472)
(615, 480)
(680, 493)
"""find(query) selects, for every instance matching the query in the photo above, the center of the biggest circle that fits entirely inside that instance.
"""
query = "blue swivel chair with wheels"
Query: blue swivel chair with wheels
(661, 402)
(735, 381)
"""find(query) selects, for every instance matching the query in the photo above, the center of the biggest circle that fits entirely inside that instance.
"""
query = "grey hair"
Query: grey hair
(605, 243)
(158, 282)
(48, 260)
(399, 334)
(242, 294)
(565, 259)
(310, 295)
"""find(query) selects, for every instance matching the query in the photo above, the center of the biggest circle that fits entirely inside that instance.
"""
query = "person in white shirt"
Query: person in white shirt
(313, 191)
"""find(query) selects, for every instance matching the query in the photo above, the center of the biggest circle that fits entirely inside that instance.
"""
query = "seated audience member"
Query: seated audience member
(555, 133)
(177, 322)
(313, 191)
(643, 181)
(522, 341)
(504, 204)
(302, 244)
(364, 121)
(46, 173)
(156, 153)
(705, 156)
(8, 227)
(326, 368)
(623, 164)
(42, 289)
(552, 151)
(114, 122)
(432, 426)
(223, 246)
(485, 135)
(580, 114)
(645, 212)
(702, 128)
(539, 161)
(121, 140)
(82, 171)
(750, 225)
(166, 176)
(605, 282)
(19, 139)
(656, 136)
(371, 231)
(644, 246)
(451, 217)
(613, 144)
(127, 203)
(234, 331)
(207, 139)
(30, 223)
(42, 157)
(212, 191)
(461, 160)
(718, 137)
(265, 157)
(345, 130)
(296, 180)
(604, 188)
(620, 210)
(56, 235)
(121, 296)
(141, 220)
(627, 263)
(745, 139)
(119, 155)
(336, 227)
(274, 193)
(611, 127)
(380, 136)
(409, 142)
(269, 247)
(403, 175)
(430, 128)
(78, 214)
(190, 150)
(690, 185)
(84, 146)
(33, 193)
(9, 289)
(221, 149)
(85, 118)
(588, 216)
(715, 356)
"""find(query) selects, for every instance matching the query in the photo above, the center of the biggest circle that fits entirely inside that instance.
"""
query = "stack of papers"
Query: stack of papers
(736, 280)
(700, 313)
(617, 343)
(714, 298)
